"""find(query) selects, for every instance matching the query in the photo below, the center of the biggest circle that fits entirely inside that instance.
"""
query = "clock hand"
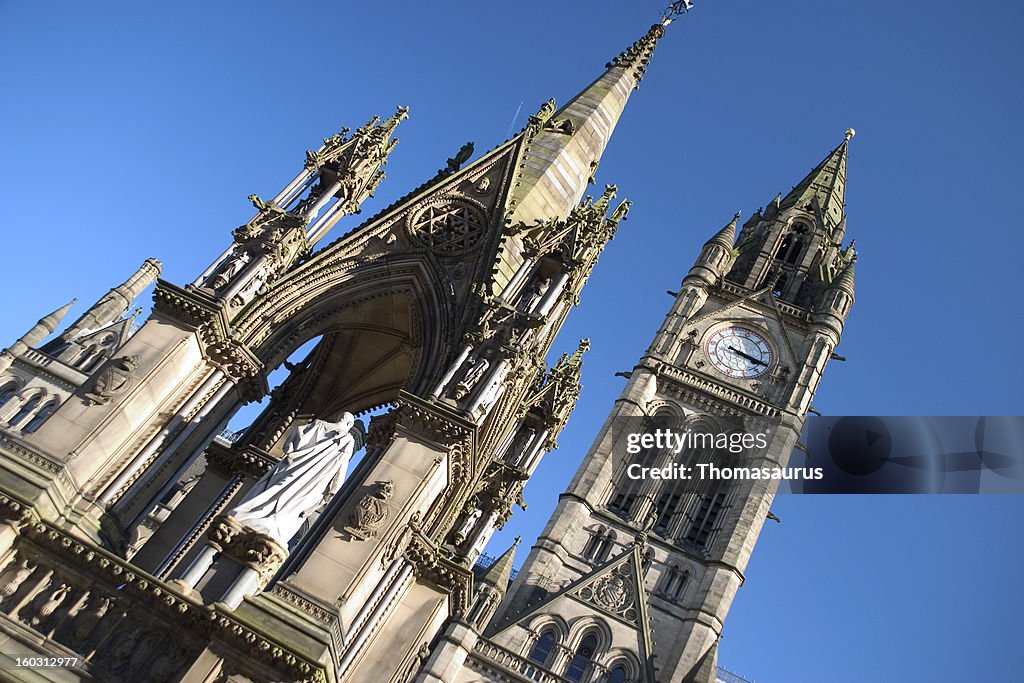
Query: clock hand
(758, 361)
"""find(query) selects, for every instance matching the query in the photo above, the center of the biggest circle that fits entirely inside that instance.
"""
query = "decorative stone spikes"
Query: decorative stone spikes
(590, 212)
(561, 389)
(638, 55)
(370, 142)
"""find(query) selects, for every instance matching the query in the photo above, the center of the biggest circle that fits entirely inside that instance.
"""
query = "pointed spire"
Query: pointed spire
(36, 334)
(499, 573)
(46, 325)
(826, 183)
(727, 235)
(565, 144)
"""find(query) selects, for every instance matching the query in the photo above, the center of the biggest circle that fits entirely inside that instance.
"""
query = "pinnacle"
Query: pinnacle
(845, 279)
(727, 235)
(51, 321)
(826, 184)
(499, 573)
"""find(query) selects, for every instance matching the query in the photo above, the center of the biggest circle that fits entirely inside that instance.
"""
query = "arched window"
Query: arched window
(675, 581)
(594, 542)
(706, 509)
(580, 661)
(605, 549)
(665, 510)
(617, 675)
(44, 412)
(86, 357)
(9, 391)
(542, 648)
(27, 409)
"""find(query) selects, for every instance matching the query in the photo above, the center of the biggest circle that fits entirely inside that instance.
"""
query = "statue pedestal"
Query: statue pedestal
(236, 562)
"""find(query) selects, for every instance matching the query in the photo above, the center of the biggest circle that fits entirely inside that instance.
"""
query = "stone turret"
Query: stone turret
(40, 331)
(717, 256)
(116, 303)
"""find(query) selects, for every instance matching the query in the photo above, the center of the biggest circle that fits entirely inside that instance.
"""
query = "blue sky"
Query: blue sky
(137, 131)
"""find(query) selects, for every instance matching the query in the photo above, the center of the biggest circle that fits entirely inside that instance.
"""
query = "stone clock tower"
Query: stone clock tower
(632, 579)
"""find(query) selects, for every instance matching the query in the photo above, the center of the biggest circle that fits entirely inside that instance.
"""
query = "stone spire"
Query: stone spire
(40, 331)
(116, 303)
(565, 145)
(726, 237)
(499, 573)
(825, 184)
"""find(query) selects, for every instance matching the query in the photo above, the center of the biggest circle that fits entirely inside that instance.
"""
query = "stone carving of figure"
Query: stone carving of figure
(13, 577)
(489, 396)
(251, 288)
(466, 530)
(311, 199)
(520, 447)
(231, 266)
(535, 292)
(316, 459)
(478, 366)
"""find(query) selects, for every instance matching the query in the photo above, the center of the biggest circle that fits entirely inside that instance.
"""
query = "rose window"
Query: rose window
(449, 228)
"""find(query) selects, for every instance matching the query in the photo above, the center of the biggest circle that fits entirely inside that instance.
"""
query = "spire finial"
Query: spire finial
(850, 133)
(674, 11)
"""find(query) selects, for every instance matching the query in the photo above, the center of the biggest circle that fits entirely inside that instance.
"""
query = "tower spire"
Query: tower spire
(499, 573)
(116, 302)
(564, 145)
(825, 184)
(40, 331)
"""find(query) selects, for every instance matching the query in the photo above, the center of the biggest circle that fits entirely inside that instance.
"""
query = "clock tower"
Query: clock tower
(741, 350)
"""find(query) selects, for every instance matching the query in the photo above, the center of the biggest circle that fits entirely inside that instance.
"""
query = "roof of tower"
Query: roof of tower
(499, 573)
(567, 143)
(727, 235)
(51, 321)
(826, 184)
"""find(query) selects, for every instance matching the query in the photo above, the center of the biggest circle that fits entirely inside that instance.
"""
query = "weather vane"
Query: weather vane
(675, 10)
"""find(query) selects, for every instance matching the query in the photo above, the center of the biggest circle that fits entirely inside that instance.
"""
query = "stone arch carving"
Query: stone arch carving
(547, 620)
(405, 301)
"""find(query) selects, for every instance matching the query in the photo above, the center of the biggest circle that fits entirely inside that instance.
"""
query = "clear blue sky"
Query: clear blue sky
(138, 130)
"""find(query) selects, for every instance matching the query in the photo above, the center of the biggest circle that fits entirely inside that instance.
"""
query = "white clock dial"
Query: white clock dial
(739, 352)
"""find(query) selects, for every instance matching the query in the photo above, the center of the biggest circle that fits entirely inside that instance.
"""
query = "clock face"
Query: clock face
(739, 352)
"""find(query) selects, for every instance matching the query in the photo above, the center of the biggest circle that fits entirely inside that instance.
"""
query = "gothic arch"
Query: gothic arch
(587, 625)
(388, 325)
(619, 657)
(555, 621)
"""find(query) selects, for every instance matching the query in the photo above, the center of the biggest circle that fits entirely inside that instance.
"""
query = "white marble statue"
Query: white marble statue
(315, 463)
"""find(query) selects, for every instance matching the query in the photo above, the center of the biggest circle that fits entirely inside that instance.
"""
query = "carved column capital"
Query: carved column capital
(247, 547)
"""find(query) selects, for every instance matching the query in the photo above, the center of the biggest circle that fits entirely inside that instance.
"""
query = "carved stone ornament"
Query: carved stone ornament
(614, 592)
(448, 228)
(371, 512)
(126, 626)
(113, 380)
